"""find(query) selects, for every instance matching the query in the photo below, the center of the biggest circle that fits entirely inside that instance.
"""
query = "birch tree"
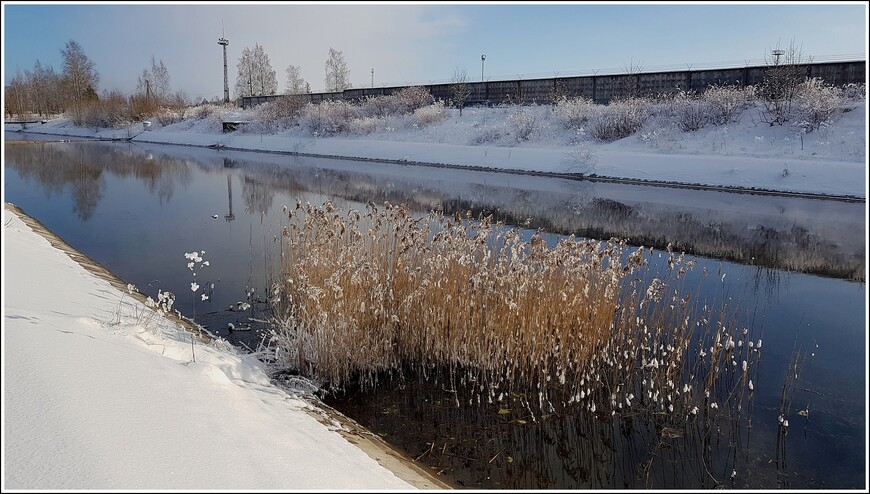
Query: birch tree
(80, 76)
(154, 83)
(255, 76)
(295, 83)
(337, 73)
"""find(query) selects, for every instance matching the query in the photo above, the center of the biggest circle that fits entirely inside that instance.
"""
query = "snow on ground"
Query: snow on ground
(98, 393)
(748, 153)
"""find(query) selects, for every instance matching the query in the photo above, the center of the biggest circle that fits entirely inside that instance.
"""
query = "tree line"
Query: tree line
(43, 90)
(256, 77)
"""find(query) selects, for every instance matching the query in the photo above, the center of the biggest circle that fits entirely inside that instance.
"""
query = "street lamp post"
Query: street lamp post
(482, 59)
(777, 53)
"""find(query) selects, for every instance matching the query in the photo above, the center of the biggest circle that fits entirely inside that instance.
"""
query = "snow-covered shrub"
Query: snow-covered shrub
(213, 115)
(279, 113)
(403, 102)
(110, 111)
(203, 111)
(778, 90)
(487, 135)
(166, 116)
(854, 92)
(522, 122)
(726, 103)
(363, 125)
(621, 118)
(410, 99)
(573, 113)
(377, 106)
(816, 102)
(328, 117)
(430, 114)
(690, 111)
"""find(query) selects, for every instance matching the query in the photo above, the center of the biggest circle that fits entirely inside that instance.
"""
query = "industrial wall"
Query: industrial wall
(599, 88)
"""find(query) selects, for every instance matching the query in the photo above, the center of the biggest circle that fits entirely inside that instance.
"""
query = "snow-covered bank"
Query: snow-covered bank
(100, 393)
(744, 154)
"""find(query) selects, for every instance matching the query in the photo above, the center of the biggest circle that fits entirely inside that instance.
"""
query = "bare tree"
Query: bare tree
(80, 77)
(16, 96)
(337, 73)
(44, 88)
(295, 83)
(628, 85)
(460, 91)
(161, 87)
(558, 92)
(780, 85)
(153, 89)
(255, 77)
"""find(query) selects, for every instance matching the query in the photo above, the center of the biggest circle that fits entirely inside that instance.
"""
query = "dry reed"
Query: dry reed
(375, 293)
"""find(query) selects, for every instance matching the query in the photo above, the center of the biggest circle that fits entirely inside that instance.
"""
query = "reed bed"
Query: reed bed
(499, 318)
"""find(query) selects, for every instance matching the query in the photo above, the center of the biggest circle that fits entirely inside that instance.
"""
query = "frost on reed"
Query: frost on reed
(471, 304)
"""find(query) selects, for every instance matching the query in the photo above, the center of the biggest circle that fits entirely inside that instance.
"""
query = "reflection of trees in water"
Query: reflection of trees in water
(258, 196)
(578, 211)
(82, 166)
(87, 190)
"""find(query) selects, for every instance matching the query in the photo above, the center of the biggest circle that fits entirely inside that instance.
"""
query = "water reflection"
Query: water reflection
(82, 166)
(812, 236)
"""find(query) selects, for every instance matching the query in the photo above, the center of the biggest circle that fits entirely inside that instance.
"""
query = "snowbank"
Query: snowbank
(100, 393)
(746, 154)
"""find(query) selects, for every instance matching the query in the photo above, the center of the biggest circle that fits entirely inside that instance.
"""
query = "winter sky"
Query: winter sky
(422, 43)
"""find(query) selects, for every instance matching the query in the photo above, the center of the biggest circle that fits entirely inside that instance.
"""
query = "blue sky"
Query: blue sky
(420, 42)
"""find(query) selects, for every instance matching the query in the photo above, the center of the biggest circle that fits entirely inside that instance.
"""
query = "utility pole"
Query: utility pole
(373, 77)
(224, 42)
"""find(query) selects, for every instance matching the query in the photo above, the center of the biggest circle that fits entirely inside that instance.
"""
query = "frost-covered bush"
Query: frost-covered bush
(487, 135)
(726, 103)
(408, 100)
(816, 102)
(328, 117)
(430, 114)
(854, 92)
(522, 122)
(377, 106)
(363, 125)
(573, 113)
(691, 111)
(212, 115)
(403, 102)
(167, 116)
(620, 119)
(203, 111)
(279, 113)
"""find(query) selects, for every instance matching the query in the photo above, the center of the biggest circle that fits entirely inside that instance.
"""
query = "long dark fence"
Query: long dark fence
(598, 88)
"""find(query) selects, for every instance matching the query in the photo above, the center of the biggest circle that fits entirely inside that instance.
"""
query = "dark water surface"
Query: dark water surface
(138, 208)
